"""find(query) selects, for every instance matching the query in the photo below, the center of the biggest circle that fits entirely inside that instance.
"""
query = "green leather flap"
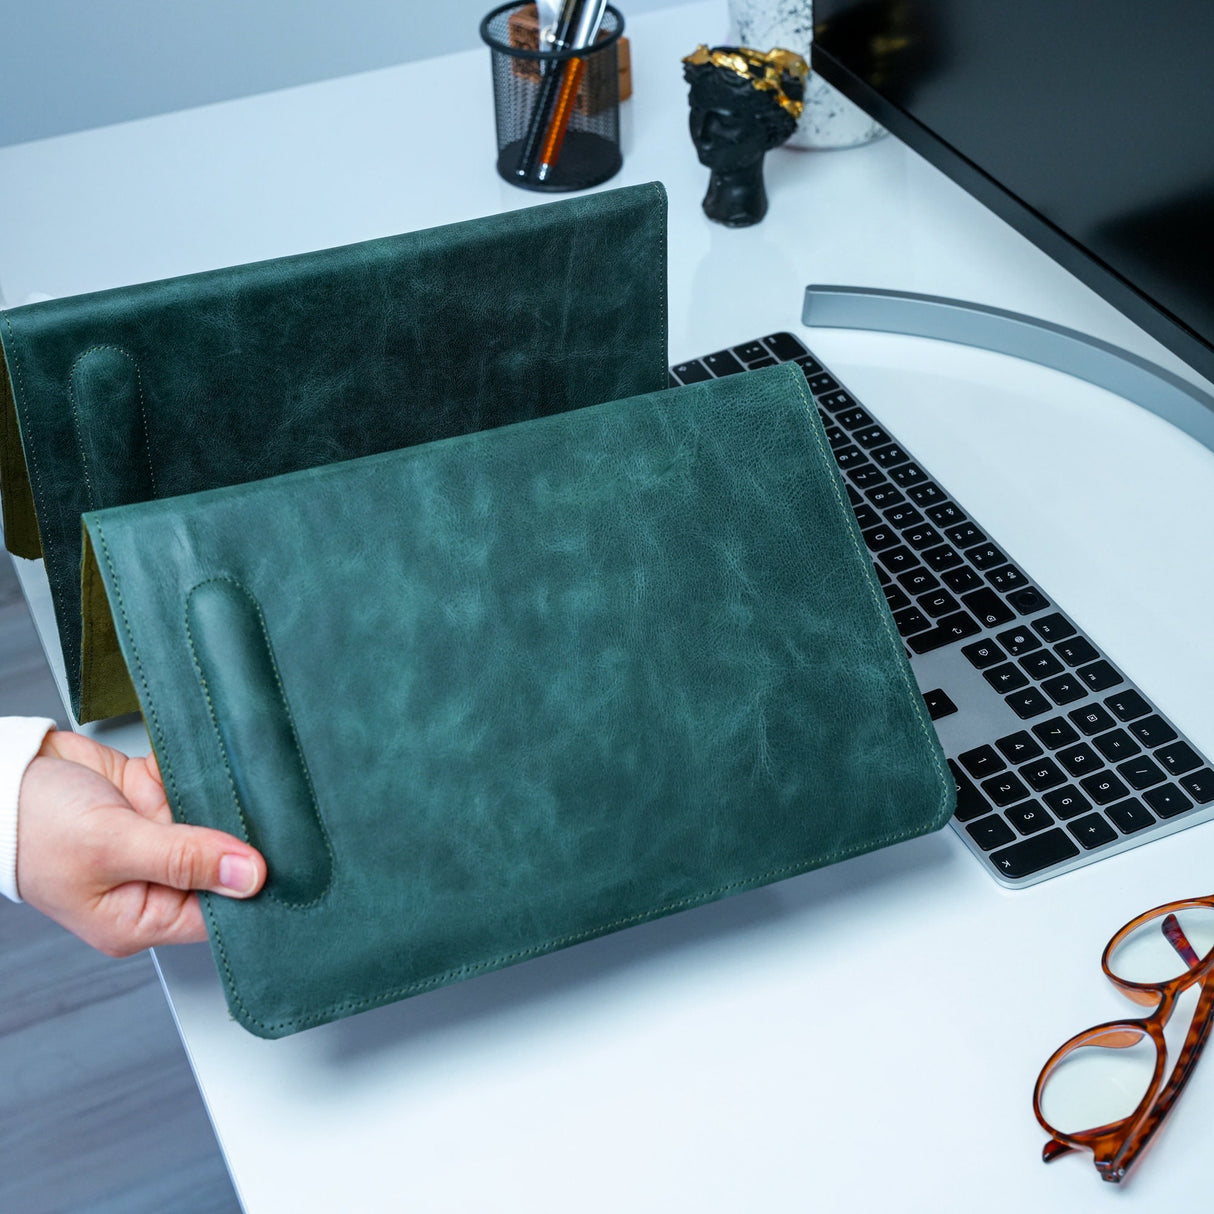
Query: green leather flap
(494, 695)
(238, 374)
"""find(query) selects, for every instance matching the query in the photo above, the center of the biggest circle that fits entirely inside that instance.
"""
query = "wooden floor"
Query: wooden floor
(98, 1109)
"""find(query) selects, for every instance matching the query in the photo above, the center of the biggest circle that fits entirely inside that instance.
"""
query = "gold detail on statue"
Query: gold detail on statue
(764, 70)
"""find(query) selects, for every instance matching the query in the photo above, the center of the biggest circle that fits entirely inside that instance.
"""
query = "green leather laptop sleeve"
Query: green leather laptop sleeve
(487, 697)
(233, 375)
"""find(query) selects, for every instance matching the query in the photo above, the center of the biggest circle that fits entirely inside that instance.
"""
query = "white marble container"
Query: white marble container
(829, 119)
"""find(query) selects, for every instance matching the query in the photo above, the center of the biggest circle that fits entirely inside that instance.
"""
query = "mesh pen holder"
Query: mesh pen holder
(558, 112)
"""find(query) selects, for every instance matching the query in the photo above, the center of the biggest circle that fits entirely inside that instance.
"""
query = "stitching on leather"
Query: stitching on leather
(206, 691)
(31, 462)
(166, 769)
(143, 416)
(664, 351)
(870, 576)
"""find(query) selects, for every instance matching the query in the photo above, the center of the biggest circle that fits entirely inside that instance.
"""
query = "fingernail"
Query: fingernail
(237, 873)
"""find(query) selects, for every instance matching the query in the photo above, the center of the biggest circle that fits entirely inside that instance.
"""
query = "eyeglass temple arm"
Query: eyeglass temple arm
(1199, 1030)
(1179, 941)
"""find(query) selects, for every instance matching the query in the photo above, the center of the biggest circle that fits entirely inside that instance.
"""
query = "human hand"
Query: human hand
(98, 851)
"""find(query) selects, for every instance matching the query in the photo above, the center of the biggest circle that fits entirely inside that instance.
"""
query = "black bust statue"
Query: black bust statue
(743, 103)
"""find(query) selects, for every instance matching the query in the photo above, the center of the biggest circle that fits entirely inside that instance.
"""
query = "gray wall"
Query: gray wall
(66, 65)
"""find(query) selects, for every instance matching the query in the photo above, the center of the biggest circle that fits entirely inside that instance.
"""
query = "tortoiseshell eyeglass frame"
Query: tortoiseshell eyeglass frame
(1117, 1145)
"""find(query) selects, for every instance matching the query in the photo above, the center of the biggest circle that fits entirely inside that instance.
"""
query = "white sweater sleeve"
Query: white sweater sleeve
(20, 739)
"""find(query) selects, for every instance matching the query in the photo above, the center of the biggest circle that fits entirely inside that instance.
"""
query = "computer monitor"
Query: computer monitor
(1089, 128)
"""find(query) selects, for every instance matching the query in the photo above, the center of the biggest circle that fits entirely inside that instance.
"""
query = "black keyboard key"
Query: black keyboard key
(918, 580)
(1167, 801)
(949, 628)
(938, 603)
(907, 475)
(1041, 665)
(981, 762)
(1066, 802)
(961, 579)
(693, 372)
(963, 535)
(1092, 831)
(884, 495)
(1019, 747)
(1128, 705)
(1076, 651)
(1080, 760)
(1099, 676)
(971, 803)
(1018, 640)
(840, 402)
(1033, 854)
(1064, 689)
(1006, 678)
(910, 620)
(1056, 732)
(1178, 758)
(854, 497)
(865, 476)
(1141, 773)
(927, 493)
(821, 383)
(945, 514)
(1116, 745)
(1042, 774)
(1005, 789)
(889, 456)
(990, 832)
(1027, 599)
(938, 704)
(1028, 703)
(852, 418)
(1103, 787)
(988, 607)
(872, 436)
(1130, 816)
(985, 556)
(899, 560)
(943, 556)
(904, 515)
(1054, 627)
(724, 363)
(867, 517)
(1154, 731)
(879, 537)
(922, 536)
(1091, 719)
(784, 346)
(1199, 785)
(1007, 578)
(982, 654)
(1029, 817)
(851, 458)
(752, 352)
(896, 597)
(836, 435)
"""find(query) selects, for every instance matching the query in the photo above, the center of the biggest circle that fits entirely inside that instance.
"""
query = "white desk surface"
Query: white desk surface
(864, 1037)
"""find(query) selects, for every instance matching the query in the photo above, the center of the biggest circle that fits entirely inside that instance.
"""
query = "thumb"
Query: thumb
(186, 858)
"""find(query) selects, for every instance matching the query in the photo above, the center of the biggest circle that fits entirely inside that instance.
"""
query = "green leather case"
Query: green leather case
(238, 374)
(484, 698)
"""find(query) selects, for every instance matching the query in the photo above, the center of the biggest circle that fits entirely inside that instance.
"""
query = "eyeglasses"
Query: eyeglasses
(1108, 1090)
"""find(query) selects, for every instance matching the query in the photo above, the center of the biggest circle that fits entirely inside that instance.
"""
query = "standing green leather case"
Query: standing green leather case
(215, 379)
(487, 697)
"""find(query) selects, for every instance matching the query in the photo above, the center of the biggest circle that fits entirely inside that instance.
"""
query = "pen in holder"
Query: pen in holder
(557, 111)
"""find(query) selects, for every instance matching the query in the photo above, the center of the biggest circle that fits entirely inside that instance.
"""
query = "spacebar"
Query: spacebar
(1034, 853)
